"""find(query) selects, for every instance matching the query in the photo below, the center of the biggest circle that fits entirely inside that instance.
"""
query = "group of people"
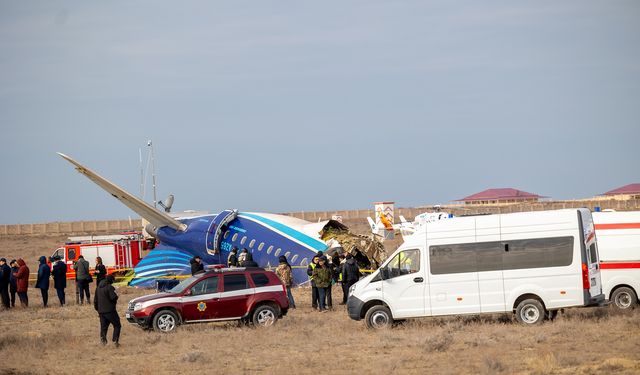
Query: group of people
(324, 272)
(14, 279)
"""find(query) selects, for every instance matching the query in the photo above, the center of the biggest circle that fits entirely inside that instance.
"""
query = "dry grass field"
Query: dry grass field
(65, 340)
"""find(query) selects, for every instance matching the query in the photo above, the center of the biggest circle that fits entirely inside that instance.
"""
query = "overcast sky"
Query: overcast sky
(283, 106)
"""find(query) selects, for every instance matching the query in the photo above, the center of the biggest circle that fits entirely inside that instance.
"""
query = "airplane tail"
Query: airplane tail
(375, 229)
(142, 208)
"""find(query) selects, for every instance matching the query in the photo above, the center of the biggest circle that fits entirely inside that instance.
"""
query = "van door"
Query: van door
(453, 279)
(590, 256)
(404, 289)
(489, 252)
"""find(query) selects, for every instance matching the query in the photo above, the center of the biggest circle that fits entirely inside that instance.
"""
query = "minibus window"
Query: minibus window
(404, 263)
(593, 254)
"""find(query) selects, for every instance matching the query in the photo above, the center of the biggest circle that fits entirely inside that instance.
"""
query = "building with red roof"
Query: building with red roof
(631, 191)
(500, 196)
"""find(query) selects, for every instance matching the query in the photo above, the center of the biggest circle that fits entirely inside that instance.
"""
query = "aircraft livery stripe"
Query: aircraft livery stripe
(161, 259)
(309, 241)
(140, 269)
(155, 253)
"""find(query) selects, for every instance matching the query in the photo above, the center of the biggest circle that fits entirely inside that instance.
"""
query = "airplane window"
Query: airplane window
(243, 240)
(304, 262)
(269, 249)
(226, 234)
(277, 252)
(252, 243)
(287, 254)
(235, 237)
(295, 257)
(260, 246)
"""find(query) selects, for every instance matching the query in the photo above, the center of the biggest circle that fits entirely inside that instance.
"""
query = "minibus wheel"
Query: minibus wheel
(378, 317)
(624, 298)
(530, 312)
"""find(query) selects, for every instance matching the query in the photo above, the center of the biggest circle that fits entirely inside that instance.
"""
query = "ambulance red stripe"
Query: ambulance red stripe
(618, 226)
(619, 265)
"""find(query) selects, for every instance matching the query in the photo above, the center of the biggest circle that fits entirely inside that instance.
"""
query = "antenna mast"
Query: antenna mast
(153, 173)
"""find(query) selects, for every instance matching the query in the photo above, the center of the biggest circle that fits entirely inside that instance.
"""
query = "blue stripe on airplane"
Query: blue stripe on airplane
(310, 241)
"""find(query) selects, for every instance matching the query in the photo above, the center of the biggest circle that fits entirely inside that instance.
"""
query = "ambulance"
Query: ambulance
(618, 236)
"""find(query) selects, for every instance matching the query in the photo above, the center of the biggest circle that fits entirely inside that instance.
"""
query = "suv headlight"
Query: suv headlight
(137, 306)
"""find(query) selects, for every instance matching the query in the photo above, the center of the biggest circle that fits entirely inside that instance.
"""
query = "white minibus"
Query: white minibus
(618, 236)
(531, 263)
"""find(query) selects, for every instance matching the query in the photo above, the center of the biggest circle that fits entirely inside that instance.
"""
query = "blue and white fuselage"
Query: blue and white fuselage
(265, 236)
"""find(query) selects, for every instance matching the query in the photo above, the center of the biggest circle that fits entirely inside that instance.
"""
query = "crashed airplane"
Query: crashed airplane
(266, 236)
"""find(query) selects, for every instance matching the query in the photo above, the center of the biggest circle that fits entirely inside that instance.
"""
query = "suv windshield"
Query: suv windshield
(183, 284)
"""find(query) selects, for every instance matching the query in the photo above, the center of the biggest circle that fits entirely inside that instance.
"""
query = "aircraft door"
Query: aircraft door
(403, 286)
(203, 302)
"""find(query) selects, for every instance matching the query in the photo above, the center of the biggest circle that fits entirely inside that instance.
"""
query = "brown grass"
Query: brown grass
(65, 340)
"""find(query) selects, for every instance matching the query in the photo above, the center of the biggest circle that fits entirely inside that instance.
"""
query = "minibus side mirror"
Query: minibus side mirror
(384, 273)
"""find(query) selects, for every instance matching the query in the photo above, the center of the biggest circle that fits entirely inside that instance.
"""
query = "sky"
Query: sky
(279, 106)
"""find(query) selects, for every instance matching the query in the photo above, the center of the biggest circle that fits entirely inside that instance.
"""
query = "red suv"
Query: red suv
(245, 294)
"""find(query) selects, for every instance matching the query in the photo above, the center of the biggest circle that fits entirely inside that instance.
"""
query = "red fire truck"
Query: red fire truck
(118, 252)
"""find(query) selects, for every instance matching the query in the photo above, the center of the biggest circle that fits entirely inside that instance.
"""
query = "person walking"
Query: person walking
(248, 260)
(42, 283)
(100, 271)
(5, 279)
(322, 278)
(285, 274)
(13, 283)
(83, 277)
(196, 265)
(22, 282)
(350, 275)
(59, 274)
(232, 260)
(314, 288)
(104, 302)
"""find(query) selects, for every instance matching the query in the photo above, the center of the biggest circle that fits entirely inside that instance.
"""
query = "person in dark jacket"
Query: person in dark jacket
(248, 261)
(104, 301)
(196, 265)
(100, 271)
(314, 288)
(42, 283)
(13, 283)
(22, 282)
(350, 275)
(5, 277)
(59, 274)
(232, 260)
(83, 278)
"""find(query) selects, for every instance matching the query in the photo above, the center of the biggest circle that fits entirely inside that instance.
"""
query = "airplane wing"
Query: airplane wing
(142, 208)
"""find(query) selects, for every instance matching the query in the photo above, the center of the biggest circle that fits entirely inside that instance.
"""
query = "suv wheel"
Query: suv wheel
(530, 312)
(378, 317)
(265, 316)
(624, 298)
(165, 321)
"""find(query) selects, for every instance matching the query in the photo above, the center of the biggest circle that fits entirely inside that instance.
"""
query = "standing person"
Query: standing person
(59, 274)
(284, 273)
(248, 261)
(83, 277)
(13, 282)
(100, 271)
(22, 282)
(242, 257)
(232, 260)
(42, 283)
(332, 267)
(345, 292)
(196, 265)
(322, 278)
(350, 275)
(314, 288)
(5, 278)
(105, 302)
